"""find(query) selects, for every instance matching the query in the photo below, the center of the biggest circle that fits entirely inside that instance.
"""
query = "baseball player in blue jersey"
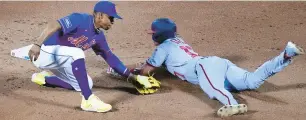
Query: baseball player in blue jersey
(60, 49)
(216, 76)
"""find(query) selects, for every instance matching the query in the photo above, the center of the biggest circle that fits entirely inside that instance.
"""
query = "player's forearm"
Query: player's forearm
(114, 62)
(51, 28)
(143, 69)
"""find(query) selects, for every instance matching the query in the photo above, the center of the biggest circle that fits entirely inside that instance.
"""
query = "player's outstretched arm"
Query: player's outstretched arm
(51, 28)
(101, 48)
(144, 69)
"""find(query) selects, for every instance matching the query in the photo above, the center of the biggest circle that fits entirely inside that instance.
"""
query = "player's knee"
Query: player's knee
(209, 92)
(253, 86)
(254, 81)
(211, 95)
(78, 54)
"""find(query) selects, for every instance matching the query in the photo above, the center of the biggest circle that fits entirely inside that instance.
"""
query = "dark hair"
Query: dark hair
(111, 18)
(95, 12)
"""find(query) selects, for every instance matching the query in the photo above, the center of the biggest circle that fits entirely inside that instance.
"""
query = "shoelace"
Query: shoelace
(99, 101)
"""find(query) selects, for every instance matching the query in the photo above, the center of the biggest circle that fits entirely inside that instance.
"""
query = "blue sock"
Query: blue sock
(80, 73)
(57, 82)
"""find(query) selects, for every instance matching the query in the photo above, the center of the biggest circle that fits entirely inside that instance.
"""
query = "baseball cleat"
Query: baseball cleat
(292, 50)
(229, 110)
(113, 73)
(94, 104)
(39, 78)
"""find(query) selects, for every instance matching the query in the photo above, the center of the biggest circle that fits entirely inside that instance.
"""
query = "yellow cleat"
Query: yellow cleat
(39, 78)
(94, 104)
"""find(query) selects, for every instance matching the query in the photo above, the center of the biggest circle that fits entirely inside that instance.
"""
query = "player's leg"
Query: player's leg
(66, 75)
(61, 60)
(62, 77)
(44, 78)
(57, 82)
(242, 79)
(211, 74)
(56, 57)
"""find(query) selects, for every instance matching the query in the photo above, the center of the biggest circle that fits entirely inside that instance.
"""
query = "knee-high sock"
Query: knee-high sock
(80, 73)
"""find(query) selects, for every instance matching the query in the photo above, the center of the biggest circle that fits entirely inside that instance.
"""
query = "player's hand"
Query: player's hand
(136, 71)
(34, 52)
(143, 84)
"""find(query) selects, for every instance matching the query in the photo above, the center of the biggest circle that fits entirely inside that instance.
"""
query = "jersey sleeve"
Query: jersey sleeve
(101, 48)
(158, 57)
(70, 22)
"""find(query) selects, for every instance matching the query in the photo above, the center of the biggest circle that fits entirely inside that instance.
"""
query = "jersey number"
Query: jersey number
(186, 48)
(189, 51)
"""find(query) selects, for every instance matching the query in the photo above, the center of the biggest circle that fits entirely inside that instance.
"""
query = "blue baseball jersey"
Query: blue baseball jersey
(78, 31)
(178, 57)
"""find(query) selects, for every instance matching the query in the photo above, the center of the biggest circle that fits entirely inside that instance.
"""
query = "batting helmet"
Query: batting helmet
(163, 29)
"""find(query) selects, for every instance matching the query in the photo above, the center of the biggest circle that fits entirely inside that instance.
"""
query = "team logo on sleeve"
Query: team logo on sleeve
(67, 22)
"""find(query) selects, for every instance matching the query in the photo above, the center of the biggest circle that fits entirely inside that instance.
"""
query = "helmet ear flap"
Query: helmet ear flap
(164, 29)
(155, 37)
(162, 36)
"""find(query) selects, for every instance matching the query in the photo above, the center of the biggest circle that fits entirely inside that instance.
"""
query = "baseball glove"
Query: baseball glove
(143, 84)
(155, 86)
(147, 91)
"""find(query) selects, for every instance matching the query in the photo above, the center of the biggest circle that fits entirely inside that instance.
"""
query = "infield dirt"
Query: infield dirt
(247, 33)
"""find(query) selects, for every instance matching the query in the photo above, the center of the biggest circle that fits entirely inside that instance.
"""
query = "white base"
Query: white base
(22, 52)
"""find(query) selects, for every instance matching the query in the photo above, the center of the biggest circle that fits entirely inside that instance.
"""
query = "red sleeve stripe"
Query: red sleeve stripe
(149, 64)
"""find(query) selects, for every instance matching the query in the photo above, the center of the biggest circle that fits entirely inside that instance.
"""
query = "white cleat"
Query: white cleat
(229, 110)
(113, 73)
(292, 50)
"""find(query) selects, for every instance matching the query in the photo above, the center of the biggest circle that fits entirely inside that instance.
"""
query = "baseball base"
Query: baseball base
(22, 52)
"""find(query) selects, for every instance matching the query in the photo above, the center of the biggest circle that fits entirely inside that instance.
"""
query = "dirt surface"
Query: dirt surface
(247, 33)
